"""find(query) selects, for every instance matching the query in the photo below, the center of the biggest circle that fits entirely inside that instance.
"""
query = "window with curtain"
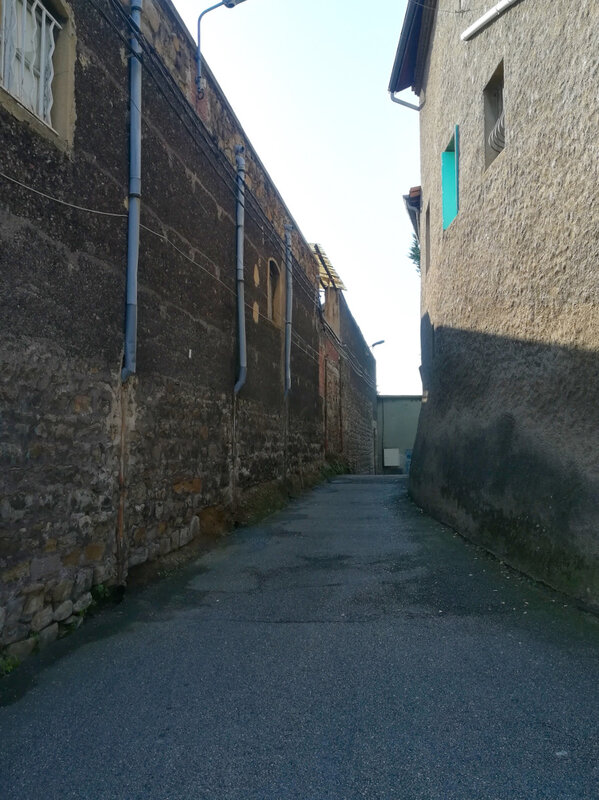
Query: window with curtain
(28, 35)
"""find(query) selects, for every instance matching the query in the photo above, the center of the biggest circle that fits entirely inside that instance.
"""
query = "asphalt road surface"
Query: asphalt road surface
(348, 647)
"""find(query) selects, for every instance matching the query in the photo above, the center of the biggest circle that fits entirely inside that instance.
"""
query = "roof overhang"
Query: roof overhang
(413, 46)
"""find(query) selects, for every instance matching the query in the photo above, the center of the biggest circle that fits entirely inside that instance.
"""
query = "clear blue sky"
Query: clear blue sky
(308, 81)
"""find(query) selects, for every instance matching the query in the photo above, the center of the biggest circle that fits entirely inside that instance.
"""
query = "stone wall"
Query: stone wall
(348, 388)
(508, 442)
(97, 477)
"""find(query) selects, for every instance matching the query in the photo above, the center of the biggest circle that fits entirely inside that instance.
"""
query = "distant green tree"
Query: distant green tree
(414, 254)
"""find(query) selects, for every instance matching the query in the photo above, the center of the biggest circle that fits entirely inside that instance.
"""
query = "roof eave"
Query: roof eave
(415, 35)
(413, 204)
(405, 62)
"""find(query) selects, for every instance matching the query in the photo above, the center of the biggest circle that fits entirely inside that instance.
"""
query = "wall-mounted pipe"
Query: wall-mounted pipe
(240, 161)
(288, 306)
(135, 70)
(487, 18)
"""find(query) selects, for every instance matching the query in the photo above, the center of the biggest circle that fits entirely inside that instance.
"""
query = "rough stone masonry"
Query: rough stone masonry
(96, 476)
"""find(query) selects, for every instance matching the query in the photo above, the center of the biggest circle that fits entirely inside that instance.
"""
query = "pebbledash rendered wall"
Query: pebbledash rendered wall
(508, 443)
(96, 476)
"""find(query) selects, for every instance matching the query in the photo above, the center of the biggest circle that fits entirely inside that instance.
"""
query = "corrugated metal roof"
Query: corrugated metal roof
(327, 273)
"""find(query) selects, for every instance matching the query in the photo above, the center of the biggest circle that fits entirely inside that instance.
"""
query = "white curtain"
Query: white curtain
(28, 47)
(9, 41)
(28, 54)
(48, 73)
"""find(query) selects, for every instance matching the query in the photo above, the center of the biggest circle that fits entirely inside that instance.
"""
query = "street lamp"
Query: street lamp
(227, 4)
(380, 341)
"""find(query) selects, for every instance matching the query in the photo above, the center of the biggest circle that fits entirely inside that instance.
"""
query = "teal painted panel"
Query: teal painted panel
(449, 187)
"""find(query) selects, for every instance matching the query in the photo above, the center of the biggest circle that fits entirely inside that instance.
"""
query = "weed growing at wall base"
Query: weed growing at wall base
(8, 664)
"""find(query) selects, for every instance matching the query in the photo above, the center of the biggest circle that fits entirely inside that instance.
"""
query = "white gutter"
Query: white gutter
(403, 102)
(487, 18)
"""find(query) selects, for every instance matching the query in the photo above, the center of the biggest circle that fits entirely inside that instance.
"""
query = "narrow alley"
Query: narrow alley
(347, 647)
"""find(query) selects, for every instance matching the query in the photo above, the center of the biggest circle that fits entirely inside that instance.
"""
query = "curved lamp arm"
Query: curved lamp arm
(227, 4)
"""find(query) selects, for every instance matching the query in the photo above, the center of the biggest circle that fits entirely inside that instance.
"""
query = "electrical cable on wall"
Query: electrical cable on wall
(298, 338)
(213, 152)
(162, 237)
(218, 161)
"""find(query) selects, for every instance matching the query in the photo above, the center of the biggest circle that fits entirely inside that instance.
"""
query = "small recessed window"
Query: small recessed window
(28, 41)
(37, 62)
(450, 179)
(494, 116)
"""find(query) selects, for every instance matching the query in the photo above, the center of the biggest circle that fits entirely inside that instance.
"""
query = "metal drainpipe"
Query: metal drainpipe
(135, 69)
(240, 160)
(288, 306)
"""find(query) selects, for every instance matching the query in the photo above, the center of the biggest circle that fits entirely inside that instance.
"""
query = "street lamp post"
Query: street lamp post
(227, 4)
